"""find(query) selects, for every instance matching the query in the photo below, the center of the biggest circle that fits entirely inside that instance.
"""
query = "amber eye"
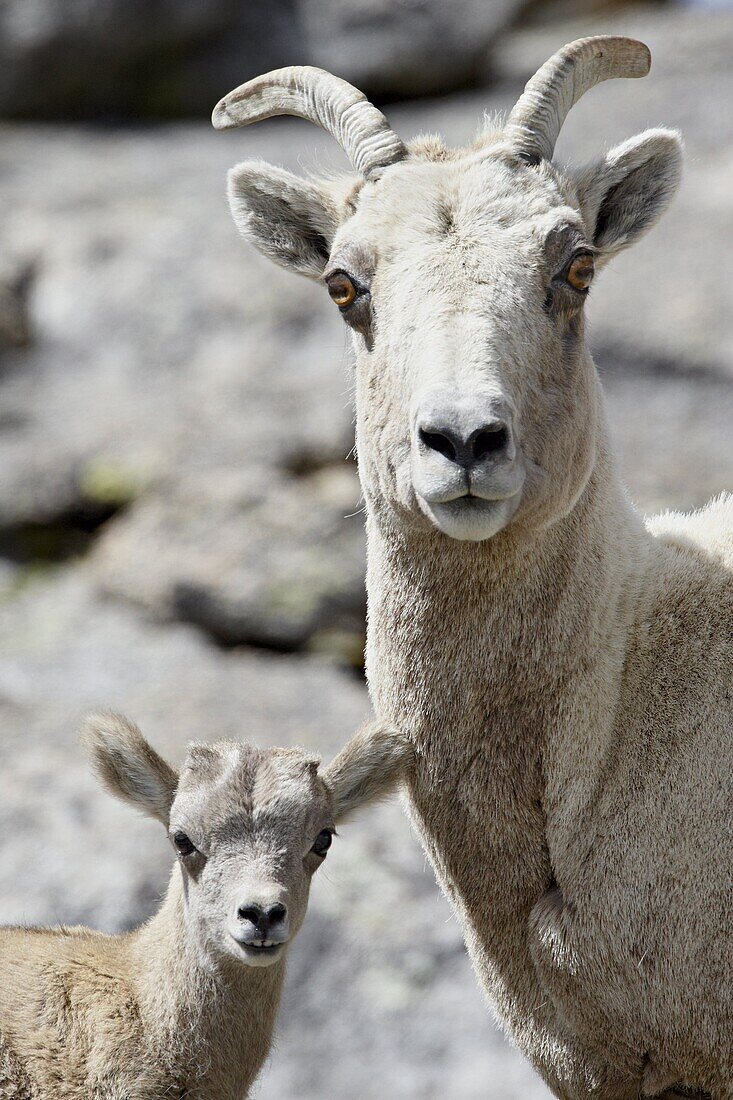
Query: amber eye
(341, 289)
(580, 272)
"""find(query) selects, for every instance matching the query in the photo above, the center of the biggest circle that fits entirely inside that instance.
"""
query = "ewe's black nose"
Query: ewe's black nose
(487, 440)
(264, 920)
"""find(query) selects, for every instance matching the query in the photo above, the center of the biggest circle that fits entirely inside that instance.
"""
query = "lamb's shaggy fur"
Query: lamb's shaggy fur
(173, 1011)
(563, 670)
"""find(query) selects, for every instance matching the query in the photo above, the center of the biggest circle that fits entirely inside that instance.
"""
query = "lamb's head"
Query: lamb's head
(249, 826)
(463, 276)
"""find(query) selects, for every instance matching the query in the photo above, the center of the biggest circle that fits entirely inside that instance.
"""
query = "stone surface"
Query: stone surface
(100, 58)
(16, 276)
(253, 560)
(162, 344)
(95, 58)
(389, 49)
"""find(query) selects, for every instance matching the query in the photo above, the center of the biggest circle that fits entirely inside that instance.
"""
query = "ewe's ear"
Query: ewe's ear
(368, 768)
(128, 766)
(288, 219)
(624, 194)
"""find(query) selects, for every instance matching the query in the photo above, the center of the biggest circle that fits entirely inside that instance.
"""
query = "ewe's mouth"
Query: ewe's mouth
(261, 947)
(471, 518)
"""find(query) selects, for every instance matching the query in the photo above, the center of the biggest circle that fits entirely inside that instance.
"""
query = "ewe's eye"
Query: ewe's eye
(183, 844)
(580, 271)
(323, 842)
(341, 288)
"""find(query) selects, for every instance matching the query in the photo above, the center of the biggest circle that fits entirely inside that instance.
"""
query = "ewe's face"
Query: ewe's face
(250, 827)
(464, 284)
(463, 276)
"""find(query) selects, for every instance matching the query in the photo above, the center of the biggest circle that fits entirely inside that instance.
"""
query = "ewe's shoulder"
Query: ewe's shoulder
(707, 533)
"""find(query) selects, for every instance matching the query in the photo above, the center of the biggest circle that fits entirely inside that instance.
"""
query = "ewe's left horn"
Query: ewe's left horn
(342, 110)
(535, 122)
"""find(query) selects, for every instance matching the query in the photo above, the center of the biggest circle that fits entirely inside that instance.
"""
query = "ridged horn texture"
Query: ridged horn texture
(535, 122)
(342, 110)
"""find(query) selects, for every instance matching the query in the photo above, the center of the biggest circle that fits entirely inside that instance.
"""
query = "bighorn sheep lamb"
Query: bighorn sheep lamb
(186, 1005)
(563, 669)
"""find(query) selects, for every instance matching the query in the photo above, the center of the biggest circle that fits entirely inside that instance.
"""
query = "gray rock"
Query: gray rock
(671, 429)
(95, 58)
(408, 48)
(253, 560)
(16, 276)
(71, 59)
(372, 1003)
(162, 343)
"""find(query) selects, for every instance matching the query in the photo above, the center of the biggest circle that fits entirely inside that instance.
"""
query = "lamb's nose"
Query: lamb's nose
(466, 449)
(264, 920)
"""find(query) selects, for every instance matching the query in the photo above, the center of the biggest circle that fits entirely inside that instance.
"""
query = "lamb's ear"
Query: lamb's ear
(288, 219)
(625, 193)
(128, 766)
(368, 768)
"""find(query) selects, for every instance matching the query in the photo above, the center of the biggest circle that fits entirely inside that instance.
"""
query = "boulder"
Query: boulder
(162, 343)
(101, 58)
(96, 59)
(252, 560)
(409, 48)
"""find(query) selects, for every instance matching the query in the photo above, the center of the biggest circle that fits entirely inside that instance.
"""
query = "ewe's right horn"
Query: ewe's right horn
(342, 110)
(535, 122)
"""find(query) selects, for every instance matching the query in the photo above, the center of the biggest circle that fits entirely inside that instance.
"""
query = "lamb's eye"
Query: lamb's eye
(580, 271)
(341, 288)
(322, 842)
(183, 844)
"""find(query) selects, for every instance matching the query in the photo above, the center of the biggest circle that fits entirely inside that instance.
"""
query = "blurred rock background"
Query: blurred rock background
(180, 525)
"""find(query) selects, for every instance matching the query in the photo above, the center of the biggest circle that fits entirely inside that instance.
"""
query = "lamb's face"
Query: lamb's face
(464, 283)
(249, 827)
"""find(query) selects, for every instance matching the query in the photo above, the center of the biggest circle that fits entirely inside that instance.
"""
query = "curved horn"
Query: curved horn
(535, 122)
(360, 129)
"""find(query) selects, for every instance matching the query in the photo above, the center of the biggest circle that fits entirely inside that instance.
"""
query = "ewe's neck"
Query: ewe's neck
(513, 611)
(202, 1012)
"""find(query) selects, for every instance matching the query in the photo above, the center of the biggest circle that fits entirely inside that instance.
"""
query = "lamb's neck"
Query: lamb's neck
(202, 1012)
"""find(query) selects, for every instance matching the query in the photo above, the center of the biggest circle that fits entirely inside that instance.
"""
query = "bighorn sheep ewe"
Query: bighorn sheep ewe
(185, 1006)
(563, 670)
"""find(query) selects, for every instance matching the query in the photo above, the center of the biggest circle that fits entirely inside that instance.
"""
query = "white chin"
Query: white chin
(254, 957)
(471, 519)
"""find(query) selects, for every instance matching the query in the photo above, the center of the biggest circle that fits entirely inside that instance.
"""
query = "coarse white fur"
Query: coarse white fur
(563, 670)
(185, 1006)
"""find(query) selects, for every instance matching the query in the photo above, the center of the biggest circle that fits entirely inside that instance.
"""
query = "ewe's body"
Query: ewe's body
(564, 673)
(185, 1006)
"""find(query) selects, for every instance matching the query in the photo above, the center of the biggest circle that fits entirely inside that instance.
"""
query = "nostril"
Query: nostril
(488, 441)
(252, 913)
(276, 914)
(436, 441)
